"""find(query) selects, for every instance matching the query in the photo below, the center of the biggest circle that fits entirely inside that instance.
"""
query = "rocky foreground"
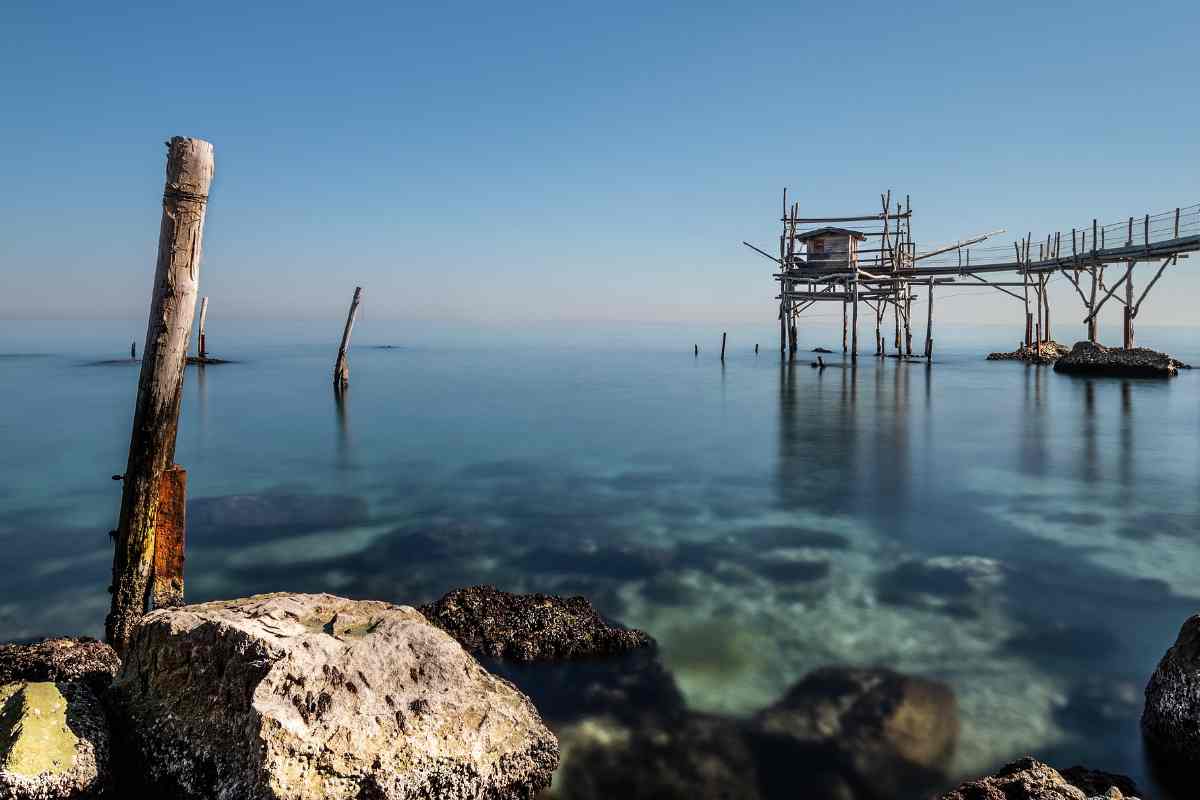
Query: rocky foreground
(299, 697)
(1041, 353)
(1089, 358)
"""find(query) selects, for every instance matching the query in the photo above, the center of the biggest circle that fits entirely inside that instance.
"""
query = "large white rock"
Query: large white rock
(315, 696)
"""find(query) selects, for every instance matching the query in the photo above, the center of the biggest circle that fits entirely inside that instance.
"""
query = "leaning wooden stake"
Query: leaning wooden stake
(341, 367)
(722, 346)
(156, 414)
(202, 345)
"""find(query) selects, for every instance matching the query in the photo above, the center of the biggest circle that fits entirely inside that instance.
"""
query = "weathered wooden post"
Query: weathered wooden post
(202, 345)
(341, 367)
(144, 530)
(854, 319)
(845, 303)
(133, 351)
(756, 348)
(722, 346)
(696, 350)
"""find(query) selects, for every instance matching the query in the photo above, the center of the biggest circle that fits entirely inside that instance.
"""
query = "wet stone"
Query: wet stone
(54, 742)
(529, 627)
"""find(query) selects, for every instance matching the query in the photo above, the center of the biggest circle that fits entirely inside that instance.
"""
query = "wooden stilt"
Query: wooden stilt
(854, 319)
(1130, 309)
(202, 350)
(929, 320)
(133, 351)
(156, 414)
(696, 350)
(722, 346)
(844, 331)
(341, 367)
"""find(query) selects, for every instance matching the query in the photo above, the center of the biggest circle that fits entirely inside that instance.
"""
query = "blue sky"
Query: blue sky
(569, 162)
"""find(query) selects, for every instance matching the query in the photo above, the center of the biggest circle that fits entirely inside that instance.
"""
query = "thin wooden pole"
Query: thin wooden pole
(156, 413)
(133, 351)
(341, 367)
(722, 346)
(854, 318)
(929, 320)
(1129, 307)
(202, 350)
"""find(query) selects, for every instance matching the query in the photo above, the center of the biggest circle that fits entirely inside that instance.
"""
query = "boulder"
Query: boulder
(529, 627)
(1171, 716)
(880, 727)
(314, 696)
(1029, 779)
(84, 660)
(54, 742)
(1089, 358)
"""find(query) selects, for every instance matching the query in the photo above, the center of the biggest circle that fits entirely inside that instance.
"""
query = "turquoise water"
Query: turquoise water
(1028, 538)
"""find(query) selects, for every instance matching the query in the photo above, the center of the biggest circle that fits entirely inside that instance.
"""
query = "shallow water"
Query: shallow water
(1026, 537)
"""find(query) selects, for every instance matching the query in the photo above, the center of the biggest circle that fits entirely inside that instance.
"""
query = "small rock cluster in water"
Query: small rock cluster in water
(1041, 353)
(292, 696)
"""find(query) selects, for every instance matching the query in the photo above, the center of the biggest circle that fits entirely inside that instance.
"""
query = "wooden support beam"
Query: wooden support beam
(156, 414)
(170, 538)
(1099, 305)
(341, 367)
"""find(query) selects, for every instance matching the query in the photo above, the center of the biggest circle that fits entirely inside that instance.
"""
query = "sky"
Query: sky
(510, 163)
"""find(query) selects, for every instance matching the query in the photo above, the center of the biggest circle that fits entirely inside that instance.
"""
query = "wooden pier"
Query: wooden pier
(875, 262)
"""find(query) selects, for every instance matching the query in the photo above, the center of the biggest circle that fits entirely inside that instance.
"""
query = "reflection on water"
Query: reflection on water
(1024, 540)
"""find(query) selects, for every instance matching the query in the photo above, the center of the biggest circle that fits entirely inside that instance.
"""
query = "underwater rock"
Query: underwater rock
(83, 659)
(314, 696)
(529, 627)
(1171, 718)
(953, 584)
(1089, 358)
(54, 742)
(1030, 779)
(1041, 353)
(285, 512)
(688, 757)
(878, 725)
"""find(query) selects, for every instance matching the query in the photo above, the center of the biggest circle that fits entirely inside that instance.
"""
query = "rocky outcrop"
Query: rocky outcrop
(1089, 358)
(54, 742)
(1171, 717)
(871, 722)
(83, 660)
(1041, 353)
(1029, 779)
(315, 696)
(529, 627)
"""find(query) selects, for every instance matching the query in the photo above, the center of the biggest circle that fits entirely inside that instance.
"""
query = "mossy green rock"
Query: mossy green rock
(53, 741)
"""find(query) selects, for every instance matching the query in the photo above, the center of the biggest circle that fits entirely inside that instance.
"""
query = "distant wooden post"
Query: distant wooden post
(722, 346)
(133, 351)
(1129, 307)
(341, 367)
(203, 344)
(854, 319)
(156, 414)
(756, 348)
(929, 322)
(845, 303)
(696, 349)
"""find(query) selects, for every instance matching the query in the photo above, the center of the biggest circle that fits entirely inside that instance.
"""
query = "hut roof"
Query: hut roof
(830, 231)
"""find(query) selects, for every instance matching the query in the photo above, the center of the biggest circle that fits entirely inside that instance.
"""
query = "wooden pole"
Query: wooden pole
(756, 348)
(341, 367)
(854, 319)
(156, 413)
(845, 303)
(696, 350)
(782, 327)
(203, 345)
(1129, 307)
(722, 346)
(133, 351)
(929, 321)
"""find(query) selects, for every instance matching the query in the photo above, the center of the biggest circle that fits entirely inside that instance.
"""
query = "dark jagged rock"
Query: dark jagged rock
(1030, 779)
(83, 660)
(529, 627)
(1171, 718)
(876, 725)
(821, 350)
(1089, 358)
(1043, 353)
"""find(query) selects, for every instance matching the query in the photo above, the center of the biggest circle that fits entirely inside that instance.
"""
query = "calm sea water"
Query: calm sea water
(1029, 538)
